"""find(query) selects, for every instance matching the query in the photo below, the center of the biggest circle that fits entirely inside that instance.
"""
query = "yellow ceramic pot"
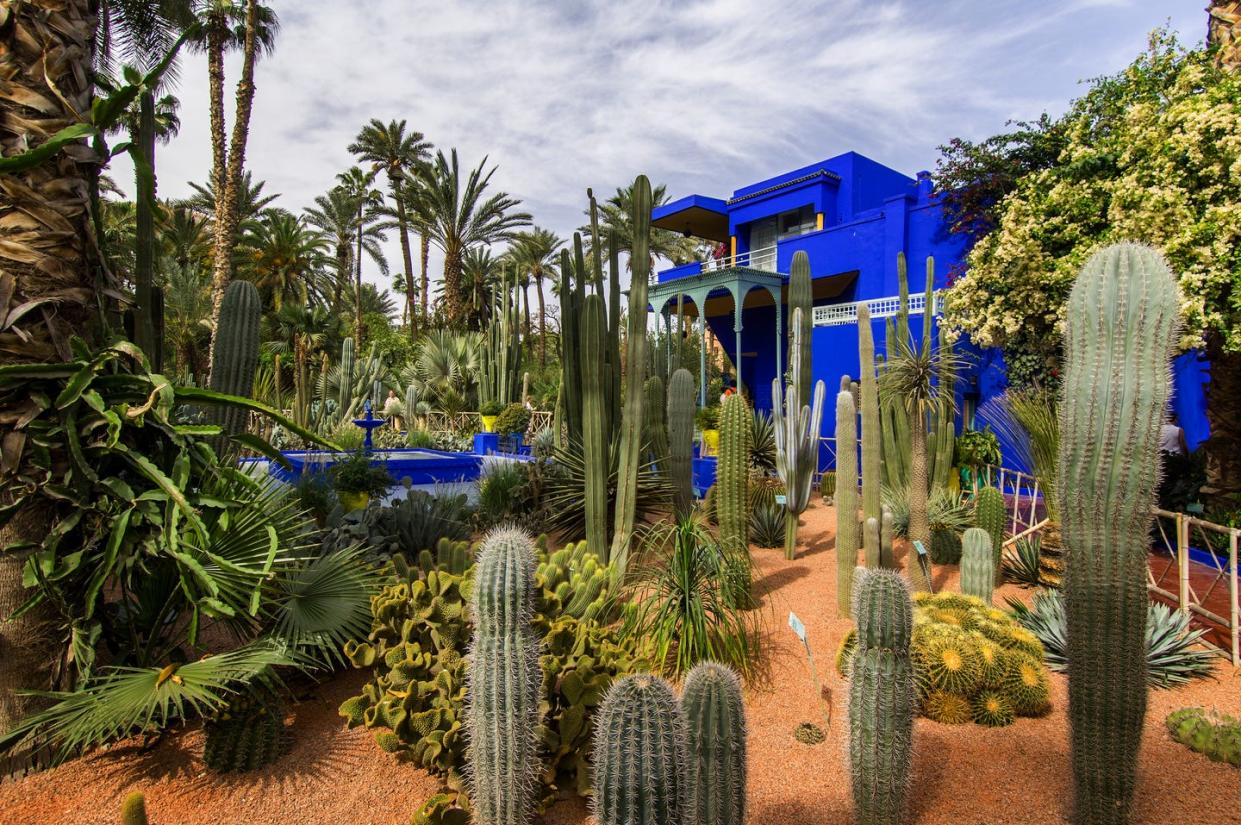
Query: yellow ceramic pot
(489, 423)
(353, 501)
(710, 442)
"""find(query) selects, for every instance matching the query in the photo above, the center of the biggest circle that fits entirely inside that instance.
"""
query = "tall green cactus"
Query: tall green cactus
(990, 514)
(681, 440)
(236, 354)
(977, 564)
(505, 682)
(715, 716)
(732, 474)
(801, 297)
(797, 428)
(570, 370)
(846, 501)
(134, 809)
(346, 375)
(943, 439)
(630, 420)
(1122, 329)
(881, 698)
(411, 405)
(640, 756)
(655, 423)
(886, 558)
(594, 423)
(872, 543)
(872, 459)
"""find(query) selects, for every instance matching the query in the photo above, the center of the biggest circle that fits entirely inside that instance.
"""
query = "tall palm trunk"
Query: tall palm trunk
(402, 226)
(454, 306)
(144, 228)
(226, 218)
(538, 290)
(357, 279)
(919, 520)
(46, 253)
(424, 253)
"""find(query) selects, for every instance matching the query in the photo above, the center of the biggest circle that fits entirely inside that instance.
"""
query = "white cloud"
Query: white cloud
(705, 96)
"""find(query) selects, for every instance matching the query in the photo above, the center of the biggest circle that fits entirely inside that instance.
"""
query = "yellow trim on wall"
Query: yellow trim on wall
(732, 246)
(818, 220)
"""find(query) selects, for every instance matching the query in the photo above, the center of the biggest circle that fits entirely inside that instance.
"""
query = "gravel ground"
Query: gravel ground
(964, 775)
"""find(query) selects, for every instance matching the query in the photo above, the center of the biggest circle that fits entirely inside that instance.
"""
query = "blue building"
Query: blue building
(852, 217)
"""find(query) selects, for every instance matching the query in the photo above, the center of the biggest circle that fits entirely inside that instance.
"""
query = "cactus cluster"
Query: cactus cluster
(798, 423)
(504, 681)
(578, 582)
(881, 698)
(236, 353)
(681, 441)
(1122, 330)
(500, 355)
(134, 809)
(990, 515)
(246, 734)
(1216, 736)
(847, 534)
(965, 654)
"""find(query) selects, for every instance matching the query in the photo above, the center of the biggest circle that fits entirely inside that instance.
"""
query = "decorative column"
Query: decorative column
(737, 307)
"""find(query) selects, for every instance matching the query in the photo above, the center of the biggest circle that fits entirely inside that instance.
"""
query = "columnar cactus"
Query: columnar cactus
(990, 515)
(801, 321)
(236, 352)
(715, 717)
(1122, 330)
(640, 758)
(732, 474)
(886, 558)
(594, 433)
(346, 375)
(872, 460)
(797, 427)
(977, 564)
(655, 423)
(846, 501)
(881, 698)
(134, 809)
(570, 370)
(411, 405)
(505, 682)
(630, 421)
(871, 543)
(681, 440)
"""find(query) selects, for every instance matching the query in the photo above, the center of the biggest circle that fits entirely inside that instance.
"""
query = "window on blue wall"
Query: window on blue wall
(795, 222)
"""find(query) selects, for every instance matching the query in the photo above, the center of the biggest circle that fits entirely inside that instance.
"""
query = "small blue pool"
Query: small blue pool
(419, 466)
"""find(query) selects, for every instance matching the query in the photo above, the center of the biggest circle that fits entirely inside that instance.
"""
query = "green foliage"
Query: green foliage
(762, 443)
(245, 734)
(1215, 735)
(681, 441)
(714, 712)
(881, 698)
(991, 514)
(1028, 420)
(359, 473)
(708, 417)
(514, 418)
(1173, 654)
(1022, 563)
(974, 448)
(1123, 315)
(767, 525)
(491, 408)
(683, 604)
(641, 775)
(501, 492)
(564, 490)
(946, 510)
(420, 520)
(134, 809)
(315, 495)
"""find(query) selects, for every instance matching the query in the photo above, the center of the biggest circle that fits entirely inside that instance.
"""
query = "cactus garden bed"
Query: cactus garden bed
(961, 773)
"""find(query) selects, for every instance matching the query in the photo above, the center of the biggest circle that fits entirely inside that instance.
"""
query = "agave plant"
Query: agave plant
(1173, 656)
(946, 510)
(1021, 563)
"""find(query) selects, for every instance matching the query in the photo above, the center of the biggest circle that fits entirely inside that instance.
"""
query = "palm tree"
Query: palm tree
(250, 199)
(286, 258)
(48, 266)
(616, 216)
(187, 306)
(301, 331)
(338, 216)
(458, 215)
(369, 201)
(224, 25)
(390, 148)
(536, 253)
(480, 273)
(183, 236)
(372, 301)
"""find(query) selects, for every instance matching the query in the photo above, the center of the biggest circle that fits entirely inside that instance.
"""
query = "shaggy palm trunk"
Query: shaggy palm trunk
(454, 307)
(402, 229)
(1224, 31)
(538, 290)
(46, 252)
(144, 229)
(1224, 413)
(424, 252)
(226, 218)
(919, 521)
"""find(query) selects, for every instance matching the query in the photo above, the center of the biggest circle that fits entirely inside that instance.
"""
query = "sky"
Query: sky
(702, 96)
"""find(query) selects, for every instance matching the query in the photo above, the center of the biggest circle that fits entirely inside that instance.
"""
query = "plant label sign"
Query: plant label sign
(781, 500)
(798, 627)
(921, 550)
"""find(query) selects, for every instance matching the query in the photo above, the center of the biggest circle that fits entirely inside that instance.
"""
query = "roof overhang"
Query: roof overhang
(695, 215)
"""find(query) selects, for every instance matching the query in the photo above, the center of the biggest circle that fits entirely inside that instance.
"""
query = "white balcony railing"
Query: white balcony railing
(839, 314)
(763, 259)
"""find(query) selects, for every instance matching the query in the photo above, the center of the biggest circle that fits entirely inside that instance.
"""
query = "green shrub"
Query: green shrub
(359, 473)
(767, 525)
(490, 408)
(974, 448)
(501, 492)
(515, 418)
(708, 418)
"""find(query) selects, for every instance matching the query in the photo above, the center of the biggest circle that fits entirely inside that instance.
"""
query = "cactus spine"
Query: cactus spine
(640, 756)
(505, 682)
(732, 476)
(715, 717)
(631, 420)
(797, 427)
(846, 501)
(989, 515)
(681, 440)
(594, 434)
(346, 375)
(881, 698)
(236, 353)
(977, 564)
(801, 298)
(1122, 329)
(134, 809)
(872, 460)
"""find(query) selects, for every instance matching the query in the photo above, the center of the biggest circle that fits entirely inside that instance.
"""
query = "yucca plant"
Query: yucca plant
(767, 525)
(681, 601)
(564, 490)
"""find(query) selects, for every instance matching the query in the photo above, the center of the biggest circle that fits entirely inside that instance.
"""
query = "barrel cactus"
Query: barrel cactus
(715, 718)
(989, 514)
(236, 355)
(977, 564)
(681, 440)
(881, 698)
(846, 500)
(245, 734)
(1122, 330)
(134, 809)
(504, 681)
(640, 757)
